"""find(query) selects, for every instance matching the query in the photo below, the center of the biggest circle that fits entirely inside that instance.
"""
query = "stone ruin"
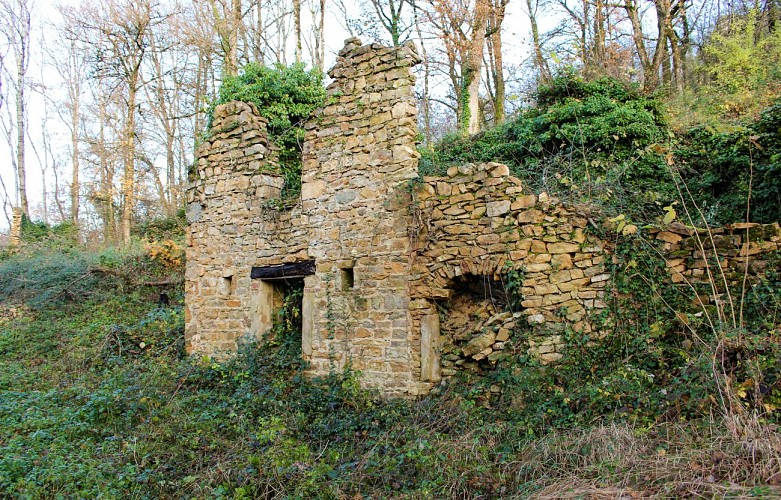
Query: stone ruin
(380, 252)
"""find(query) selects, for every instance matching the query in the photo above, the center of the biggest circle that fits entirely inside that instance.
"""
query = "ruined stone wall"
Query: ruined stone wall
(743, 249)
(390, 251)
(479, 221)
(233, 227)
(359, 153)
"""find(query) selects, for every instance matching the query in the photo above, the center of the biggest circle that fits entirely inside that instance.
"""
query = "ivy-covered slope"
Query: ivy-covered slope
(604, 141)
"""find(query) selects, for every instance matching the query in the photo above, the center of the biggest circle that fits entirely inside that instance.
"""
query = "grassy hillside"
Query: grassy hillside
(98, 400)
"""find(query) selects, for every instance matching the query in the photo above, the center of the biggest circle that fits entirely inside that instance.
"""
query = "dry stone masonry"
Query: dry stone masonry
(742, 249)
(478, 221)
(381, 252)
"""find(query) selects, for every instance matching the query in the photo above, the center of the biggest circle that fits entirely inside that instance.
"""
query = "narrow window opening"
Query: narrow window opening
(226, 285)
(348, 279)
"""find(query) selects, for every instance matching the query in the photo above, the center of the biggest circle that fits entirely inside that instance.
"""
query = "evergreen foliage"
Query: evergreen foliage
(721, 166)
(604, 141)
(585, 139)
(285, 96)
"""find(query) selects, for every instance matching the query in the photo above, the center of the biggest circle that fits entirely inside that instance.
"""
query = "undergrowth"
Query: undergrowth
(98, 400)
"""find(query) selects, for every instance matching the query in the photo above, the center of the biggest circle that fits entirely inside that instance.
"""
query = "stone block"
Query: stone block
(563, 247)
(478, 344)
(497, 208)
(522, 202)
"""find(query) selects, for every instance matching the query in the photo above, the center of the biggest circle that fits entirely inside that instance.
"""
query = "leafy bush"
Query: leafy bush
(164, 228)
(285, 96)
(742, 64)
(603, 141)
(583, 139)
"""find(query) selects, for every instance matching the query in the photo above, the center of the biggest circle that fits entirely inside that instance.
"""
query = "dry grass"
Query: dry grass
(733, 456)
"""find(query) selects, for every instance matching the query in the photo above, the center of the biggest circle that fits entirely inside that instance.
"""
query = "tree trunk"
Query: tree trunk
(427, 136)
(236, 25)
(470, 77)
(129, 153)
(320, 38)
(598, 51)
(297, 28)
(106, 195)
(497, 19)
(75, 152)
(539, 60)
(21, 126)
(258, 38)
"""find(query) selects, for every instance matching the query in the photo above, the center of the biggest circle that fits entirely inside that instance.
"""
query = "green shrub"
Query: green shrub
(285, 96)
(585, 140)
(720, 167)
(164, 228)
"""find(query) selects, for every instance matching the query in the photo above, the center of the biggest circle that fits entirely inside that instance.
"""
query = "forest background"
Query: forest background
(101, 107)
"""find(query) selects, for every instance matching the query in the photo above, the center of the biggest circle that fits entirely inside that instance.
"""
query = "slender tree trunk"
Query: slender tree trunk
(426, 71)
(236, 25)
(470, 120)
(598, 51)
(498, 64)
(258, 53)
(106, 179)
(320, 61)
(57, 200)
(75, 152)
(539, 59)
(129, 153)
(21, 128)
(662, 54)
(44, 194)
(297, 28)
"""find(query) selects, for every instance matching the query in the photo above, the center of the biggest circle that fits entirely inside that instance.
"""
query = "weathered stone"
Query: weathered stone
(563, 247)
(385, 254)
(479, 343)
(522, 202)
(669, 237)
(314, 189)
(530, 216)
(500, 170)
(497, 208)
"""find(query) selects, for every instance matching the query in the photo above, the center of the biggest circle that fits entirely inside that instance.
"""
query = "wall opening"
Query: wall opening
(282, 306)
(227, 285)
(475, 324)
(347, 279)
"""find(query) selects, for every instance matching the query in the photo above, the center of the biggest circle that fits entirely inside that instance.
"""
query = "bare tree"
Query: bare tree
(120, 36)
(462, 28)
(227, 19)
(391, 14)
(72, 67)
(540, 62)
(15, 23)
(495, 56)
(578, 12)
